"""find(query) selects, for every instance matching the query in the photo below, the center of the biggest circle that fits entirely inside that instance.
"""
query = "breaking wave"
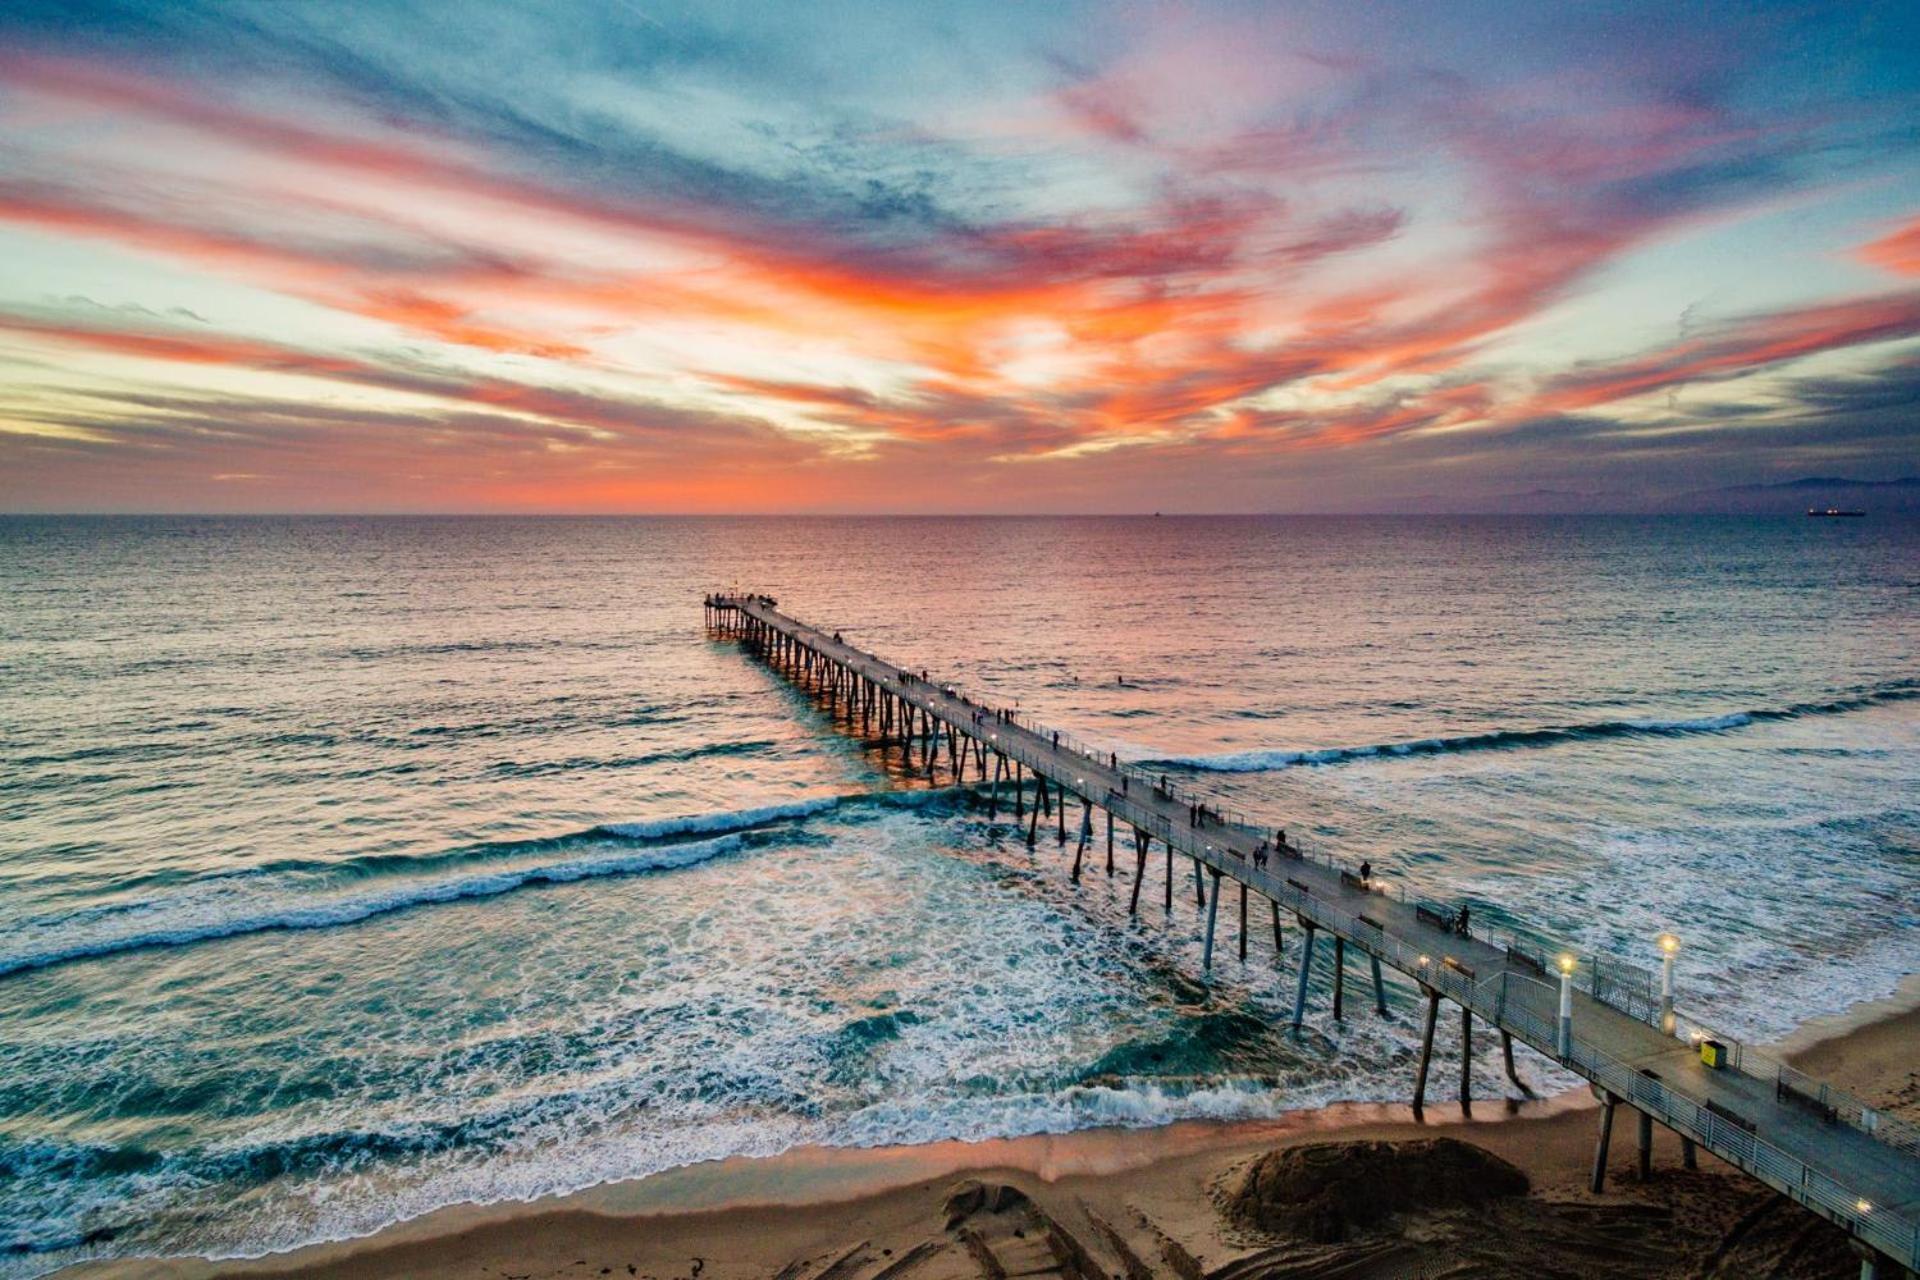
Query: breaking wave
(1265, 761)
(306, 894)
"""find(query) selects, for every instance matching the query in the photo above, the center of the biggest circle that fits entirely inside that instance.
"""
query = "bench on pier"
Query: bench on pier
(1440, 920)
(1301, 887)
(1523, 959)
(1348, 880)
(1465, 971)
(1733, 1118)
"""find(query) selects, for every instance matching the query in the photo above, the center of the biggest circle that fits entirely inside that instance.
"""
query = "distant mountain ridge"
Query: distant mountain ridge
(1782, 497)
(1902, 495)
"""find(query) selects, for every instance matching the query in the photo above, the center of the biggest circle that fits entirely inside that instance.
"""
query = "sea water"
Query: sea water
(355, 867)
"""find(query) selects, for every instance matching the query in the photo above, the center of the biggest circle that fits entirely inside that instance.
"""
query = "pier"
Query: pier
(1610, 1022)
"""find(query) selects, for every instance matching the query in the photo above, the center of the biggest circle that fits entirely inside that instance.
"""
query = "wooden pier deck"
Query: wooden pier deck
(1858, 1169)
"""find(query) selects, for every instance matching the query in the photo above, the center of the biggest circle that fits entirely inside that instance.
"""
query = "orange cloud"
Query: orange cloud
(1898, 251)
(1742, 348)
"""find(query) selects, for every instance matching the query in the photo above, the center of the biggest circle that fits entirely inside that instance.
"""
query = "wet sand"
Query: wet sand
(1141, 1203)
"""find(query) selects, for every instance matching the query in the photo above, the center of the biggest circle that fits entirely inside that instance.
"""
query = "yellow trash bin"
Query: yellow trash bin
(1713, 1053)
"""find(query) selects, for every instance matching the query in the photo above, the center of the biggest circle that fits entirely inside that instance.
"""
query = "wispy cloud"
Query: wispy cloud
(1206, 238)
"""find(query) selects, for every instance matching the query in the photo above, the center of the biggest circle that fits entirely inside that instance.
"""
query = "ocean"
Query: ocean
(354, 867)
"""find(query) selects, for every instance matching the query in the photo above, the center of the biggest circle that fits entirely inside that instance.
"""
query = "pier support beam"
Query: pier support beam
(1466, 1056)
(1426, 1053)
(1109, 842)
(1646, 1145)
(1688, 1159)
(1276, 928)
(1306, 971)
(1086, 834)
(1213, 915)
(1506, 1058)
(1141, 840)
(1243, 918)
(1379, 988)
(1339, 977)
(1607, 1104)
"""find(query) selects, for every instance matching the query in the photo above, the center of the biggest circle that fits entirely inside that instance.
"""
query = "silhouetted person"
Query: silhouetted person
(1462, 925)
(1366, 873)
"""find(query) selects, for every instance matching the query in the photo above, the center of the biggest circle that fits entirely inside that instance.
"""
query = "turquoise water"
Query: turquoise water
(349, 868)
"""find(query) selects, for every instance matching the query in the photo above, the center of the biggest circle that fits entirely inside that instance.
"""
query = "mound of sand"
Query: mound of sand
(1326, 1190)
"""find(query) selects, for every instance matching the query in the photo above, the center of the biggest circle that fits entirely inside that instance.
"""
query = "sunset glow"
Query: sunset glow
(646, 258)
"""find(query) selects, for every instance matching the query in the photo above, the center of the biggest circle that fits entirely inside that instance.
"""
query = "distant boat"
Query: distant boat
(1832, 511)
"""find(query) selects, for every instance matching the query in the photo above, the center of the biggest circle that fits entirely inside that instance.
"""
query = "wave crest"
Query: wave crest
(1267, 761)
(306, 894)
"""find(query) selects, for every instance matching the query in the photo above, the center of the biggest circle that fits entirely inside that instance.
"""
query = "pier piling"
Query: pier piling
(1306, 971)
(1426, 1053)
(1466, 1056)
(1339, 976)
(1599, 1180)
(1213, 916)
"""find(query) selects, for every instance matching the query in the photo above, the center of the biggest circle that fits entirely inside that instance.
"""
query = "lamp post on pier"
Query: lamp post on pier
(1565, 1045)
(1669, 947)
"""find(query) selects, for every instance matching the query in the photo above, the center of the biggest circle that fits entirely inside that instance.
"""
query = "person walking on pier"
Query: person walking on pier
(1366, 874)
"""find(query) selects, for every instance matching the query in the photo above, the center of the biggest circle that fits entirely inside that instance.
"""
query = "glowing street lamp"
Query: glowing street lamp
(1566, 963)
(1669, 947)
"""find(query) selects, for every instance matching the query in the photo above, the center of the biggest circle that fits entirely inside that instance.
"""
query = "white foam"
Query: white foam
(1265, 761)
(226, 914)
(1708, 724)
(729, 820)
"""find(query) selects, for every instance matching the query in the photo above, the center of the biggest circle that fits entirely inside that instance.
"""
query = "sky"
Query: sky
(640, 256)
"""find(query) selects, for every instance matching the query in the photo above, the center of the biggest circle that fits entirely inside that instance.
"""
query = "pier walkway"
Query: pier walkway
(1595, 1016)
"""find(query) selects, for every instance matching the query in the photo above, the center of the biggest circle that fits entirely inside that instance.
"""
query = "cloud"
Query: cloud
(1735, 350)
(1202, 237)
(1898, 251)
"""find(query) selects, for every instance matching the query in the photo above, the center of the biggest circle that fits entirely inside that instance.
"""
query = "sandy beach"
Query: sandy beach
(1172, 1201)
